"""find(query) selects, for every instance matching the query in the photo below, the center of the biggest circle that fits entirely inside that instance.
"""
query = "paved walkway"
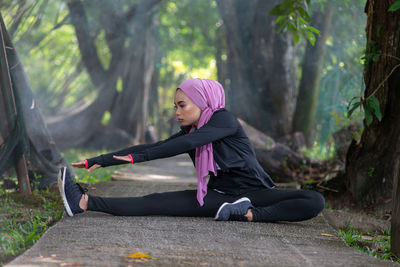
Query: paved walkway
(96, 239)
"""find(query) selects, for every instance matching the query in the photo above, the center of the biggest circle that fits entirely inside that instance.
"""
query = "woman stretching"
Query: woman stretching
(238, 188)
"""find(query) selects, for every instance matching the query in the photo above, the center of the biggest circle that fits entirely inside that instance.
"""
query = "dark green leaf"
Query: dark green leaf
(395, 6)
(353, 108)
(304, 14)
(310, 37)
(292, 27)
(311, 28)
(301, 20)
(368, 116)
(296, 37)
(279, 10)
(373, 104)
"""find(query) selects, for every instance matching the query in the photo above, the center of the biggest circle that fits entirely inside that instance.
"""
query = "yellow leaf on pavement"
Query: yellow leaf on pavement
(327, 235)
(138, 255)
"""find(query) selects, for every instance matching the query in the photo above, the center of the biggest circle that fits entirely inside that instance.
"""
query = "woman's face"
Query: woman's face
(186, 111)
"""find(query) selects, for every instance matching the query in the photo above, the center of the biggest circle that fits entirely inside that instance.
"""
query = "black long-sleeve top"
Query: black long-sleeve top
(239, 170)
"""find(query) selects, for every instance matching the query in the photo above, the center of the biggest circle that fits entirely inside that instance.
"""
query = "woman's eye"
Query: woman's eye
(175, 108)
(181, 106)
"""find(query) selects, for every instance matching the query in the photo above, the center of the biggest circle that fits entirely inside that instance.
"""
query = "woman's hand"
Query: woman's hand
(126, 158)
(82, 164)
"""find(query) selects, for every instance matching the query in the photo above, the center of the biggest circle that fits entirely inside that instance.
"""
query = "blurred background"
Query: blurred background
(104, 73)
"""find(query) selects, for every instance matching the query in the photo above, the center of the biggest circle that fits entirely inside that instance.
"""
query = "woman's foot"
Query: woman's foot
(72, 194)
(236, 211)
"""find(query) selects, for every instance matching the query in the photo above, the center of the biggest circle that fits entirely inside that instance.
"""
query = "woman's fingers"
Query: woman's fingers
(95, 166)
(80, 164)
(124, 158)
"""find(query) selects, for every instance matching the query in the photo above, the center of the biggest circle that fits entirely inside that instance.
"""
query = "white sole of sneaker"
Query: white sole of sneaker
(227, 203)
(61, 187)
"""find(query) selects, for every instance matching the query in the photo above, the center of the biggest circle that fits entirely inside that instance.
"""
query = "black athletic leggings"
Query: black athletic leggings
(270, 204)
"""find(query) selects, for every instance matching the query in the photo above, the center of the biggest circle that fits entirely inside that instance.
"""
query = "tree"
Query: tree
(373, 163)
(43, 157)
(129, 67)
(261, 74)
(311, 75)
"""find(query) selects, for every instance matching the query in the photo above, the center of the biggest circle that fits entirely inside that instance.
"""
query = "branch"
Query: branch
(86, 42)
(387, 77)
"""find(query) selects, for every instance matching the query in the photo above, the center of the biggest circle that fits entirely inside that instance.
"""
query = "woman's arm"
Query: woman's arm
(105, 160)
(221, 124)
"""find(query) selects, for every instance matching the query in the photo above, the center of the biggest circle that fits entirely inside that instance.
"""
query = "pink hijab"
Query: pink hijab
(209, 96)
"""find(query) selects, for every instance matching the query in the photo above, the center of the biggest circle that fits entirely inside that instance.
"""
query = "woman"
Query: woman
(238, 188)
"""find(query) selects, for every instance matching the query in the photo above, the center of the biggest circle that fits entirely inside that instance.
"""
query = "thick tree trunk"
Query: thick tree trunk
(43, 157)
(395, 224)
(132, 103)
(311, 75)
(261, 74)
(370, 164)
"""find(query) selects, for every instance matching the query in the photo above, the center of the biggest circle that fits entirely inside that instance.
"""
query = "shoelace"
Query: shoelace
(83, 190)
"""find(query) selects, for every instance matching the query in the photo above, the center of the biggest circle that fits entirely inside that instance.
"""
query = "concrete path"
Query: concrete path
(96, 239)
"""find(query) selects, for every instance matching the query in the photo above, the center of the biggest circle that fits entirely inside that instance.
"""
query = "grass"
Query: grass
(25, 218)
(374, 244)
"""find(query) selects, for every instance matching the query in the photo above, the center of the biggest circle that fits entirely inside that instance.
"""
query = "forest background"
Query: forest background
(103, 73)
(73, 52)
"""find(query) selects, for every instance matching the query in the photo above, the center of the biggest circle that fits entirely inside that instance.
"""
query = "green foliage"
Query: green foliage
(371, 171)
(395, 6)
(100, 174)
(319, 151)
(374, 244)
(25, 218)
(370, 106)
(293, 16)
(341, 76)
(48, 49)
(188, 33)
(106, 118)
(372, 53)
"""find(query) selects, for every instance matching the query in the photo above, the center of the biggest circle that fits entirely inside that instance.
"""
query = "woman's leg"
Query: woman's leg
(273, 205)
(178, 203)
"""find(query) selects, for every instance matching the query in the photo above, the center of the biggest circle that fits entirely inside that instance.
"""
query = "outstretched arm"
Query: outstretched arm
(221, 125)
(105, 160)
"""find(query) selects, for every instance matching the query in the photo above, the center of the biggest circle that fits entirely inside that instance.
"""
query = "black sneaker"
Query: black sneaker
(235, 211)
(71, 192)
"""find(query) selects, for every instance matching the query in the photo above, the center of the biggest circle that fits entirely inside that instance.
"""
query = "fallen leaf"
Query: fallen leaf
(327, 235)
(138, 255)
(367, 237)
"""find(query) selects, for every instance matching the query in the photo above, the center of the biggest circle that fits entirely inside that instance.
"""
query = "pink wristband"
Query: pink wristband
(130, 155)
(86, 164)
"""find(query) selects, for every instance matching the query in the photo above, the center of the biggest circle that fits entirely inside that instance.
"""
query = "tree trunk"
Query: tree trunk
(132, 103)
(43, 157)
(311, 75)
(261, 74)
(395, 224)
(82, 127)
(370, 164)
